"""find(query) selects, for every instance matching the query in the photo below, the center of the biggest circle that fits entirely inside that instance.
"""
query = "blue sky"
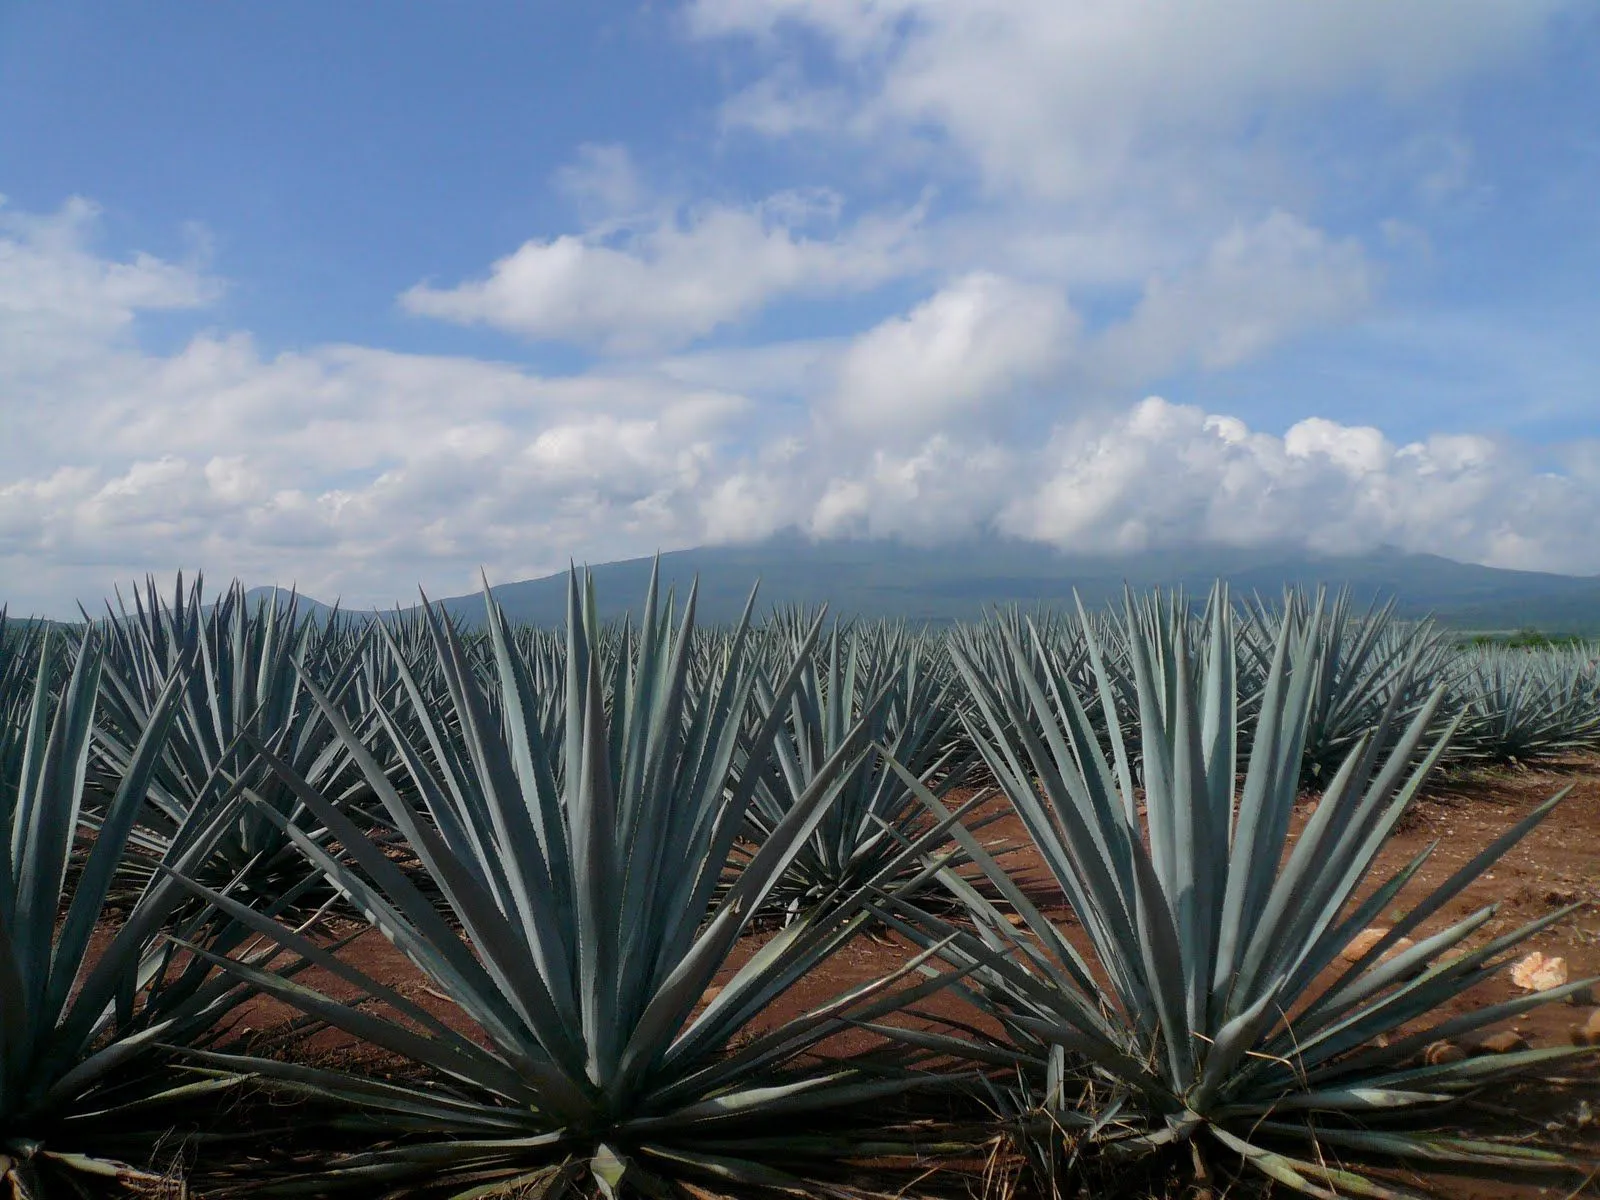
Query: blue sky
(366, 295)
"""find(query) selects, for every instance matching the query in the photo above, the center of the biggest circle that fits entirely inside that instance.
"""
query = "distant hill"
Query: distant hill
(958, 582)
(305, 605)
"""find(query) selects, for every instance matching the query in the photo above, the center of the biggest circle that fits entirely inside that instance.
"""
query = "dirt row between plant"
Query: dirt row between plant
(1555, 866)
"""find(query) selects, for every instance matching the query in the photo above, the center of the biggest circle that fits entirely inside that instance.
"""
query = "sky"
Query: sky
(364, 296)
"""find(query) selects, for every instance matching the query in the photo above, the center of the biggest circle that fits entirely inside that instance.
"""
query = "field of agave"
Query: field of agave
(610, 854)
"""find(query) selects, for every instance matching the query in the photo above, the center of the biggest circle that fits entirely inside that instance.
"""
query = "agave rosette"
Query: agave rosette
(250, 667)
(1203, 1010)
(1366, 664)
(592, 921)
(1523, 705)
(84, 1080)
(875, 684)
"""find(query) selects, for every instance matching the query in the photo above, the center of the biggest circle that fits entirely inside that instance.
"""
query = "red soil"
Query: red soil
(1557, 865)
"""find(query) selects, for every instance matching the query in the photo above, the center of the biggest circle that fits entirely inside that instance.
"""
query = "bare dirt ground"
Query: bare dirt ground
(1557, 865)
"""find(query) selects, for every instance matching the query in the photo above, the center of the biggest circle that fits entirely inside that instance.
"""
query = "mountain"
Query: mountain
(958, 582)
(304, 605)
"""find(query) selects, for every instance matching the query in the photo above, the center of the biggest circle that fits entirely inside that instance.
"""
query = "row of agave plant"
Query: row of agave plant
(570, 837)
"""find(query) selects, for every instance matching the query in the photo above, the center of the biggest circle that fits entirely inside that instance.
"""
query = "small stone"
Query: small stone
(710, 994)
(1438, 1054)
(1361, 943)
(1369, 937)
(1591, 1028)
(1581, 998)
(1536, 973)
(1507, 1041)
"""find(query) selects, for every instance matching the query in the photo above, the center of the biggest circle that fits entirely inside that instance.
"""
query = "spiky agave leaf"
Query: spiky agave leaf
(22, 660)
(80, 1028)
(1203, 1000)
(591, 925)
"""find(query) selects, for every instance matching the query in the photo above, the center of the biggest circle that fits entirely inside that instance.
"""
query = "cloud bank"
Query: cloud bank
(359, 472)
(1072, 99)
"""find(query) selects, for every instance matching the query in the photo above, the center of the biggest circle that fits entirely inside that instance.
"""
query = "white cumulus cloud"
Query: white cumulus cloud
(970, 346)
(1256, 285)
(679, 278)
(1068, 97)
(1163, 474)
(58, 297)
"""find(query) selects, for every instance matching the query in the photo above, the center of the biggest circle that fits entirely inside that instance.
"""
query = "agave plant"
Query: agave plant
(985, 643)
(81, 1028)
(1202, 1011)
(1527, 704)
(591, 924)
(248, 679)
(879, 679)
(1365, 664)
